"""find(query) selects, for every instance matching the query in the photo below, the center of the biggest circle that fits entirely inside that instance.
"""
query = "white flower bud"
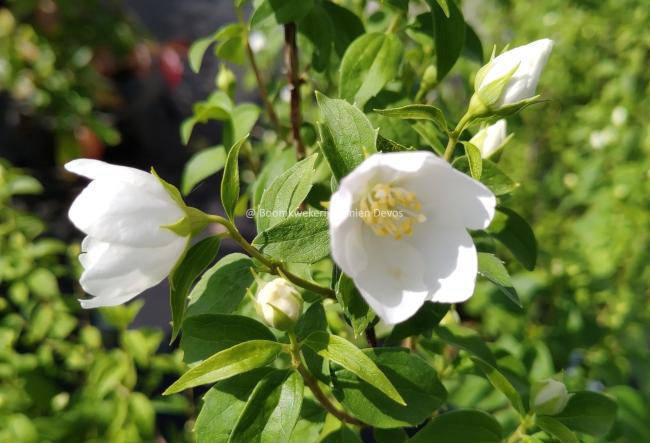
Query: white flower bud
(512, 77)
(548, 397)
(279, 304)
(490, 139)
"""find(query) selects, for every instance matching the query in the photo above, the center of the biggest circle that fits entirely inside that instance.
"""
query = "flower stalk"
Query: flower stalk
(455, 135)
(274, 267)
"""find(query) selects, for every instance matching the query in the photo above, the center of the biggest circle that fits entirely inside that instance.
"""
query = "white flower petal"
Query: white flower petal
(122, 213)
(392, 283)
(530, 59)
(449, 197)
(97, 169)
(345, 233)
(115, 273)
(451, 262)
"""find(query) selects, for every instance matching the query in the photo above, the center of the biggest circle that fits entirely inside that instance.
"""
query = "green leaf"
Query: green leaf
(223, 405)
(491, 175)
(197, 51)
(222, 287)
(461, 426)
(344, 353)
(417, 112)
(312, 418)
(353, 305)
(449, 32)
(342, 435)
(302, 238)
(589, 412)
(473, 45)
(416, 382)
(370, 62)
(501, 383)
(347, 136)
(474, 159)
(430, 136)
(290, 10)
(386, 145)
(318, 27)
(207, 334)
(272, 409)
(425, 319)
(197, 258)
(556, 429)
(202, 165)
(285, 194)
(230, 180)
(225, 364)
(466, 339)
(348, 26)
(314, 319)
(516, 234)
(241, 121)
(490, 267)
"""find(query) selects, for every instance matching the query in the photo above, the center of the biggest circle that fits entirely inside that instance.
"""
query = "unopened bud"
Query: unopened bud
(548, 397)
(279, 304)
(226, 81)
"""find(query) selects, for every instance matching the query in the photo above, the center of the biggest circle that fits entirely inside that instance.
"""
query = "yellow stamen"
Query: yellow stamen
(390, 210)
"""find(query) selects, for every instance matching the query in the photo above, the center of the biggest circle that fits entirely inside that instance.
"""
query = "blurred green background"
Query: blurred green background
(582, 159)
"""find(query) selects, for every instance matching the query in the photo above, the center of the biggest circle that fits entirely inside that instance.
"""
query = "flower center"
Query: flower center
(390, 210)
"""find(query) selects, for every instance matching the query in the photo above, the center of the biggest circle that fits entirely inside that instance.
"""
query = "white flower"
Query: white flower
(490, 139)
(279, 303)
(524, 64)
(127, 250)
(398, 228)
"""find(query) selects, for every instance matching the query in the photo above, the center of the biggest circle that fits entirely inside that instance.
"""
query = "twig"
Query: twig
(261, 86)
(371, 336)
(312, 383)
(293, 76)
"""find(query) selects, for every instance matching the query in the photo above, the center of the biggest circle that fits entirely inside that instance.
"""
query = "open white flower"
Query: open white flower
(512, 77)
(127, 250)
(398, 227)
(491, 138)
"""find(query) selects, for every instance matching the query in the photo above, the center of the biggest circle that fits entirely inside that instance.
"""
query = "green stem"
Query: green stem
(520, 432)
(275, 267)
(394, 24)
(312, 384)
(455, 135)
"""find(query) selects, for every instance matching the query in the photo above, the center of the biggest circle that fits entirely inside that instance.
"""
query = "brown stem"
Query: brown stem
(293, 76)
(312, 383)
(264, 94)
(371, 336)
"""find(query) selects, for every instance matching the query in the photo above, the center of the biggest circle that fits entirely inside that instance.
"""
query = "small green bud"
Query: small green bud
(430, 77)
(548, 397)
(279, 304)
(226, 81)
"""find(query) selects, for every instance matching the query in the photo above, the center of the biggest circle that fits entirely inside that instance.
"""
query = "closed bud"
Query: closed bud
(509, 81)
(548, 397)
(226, 81)
(279, 304)
(491, 138)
